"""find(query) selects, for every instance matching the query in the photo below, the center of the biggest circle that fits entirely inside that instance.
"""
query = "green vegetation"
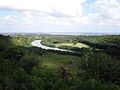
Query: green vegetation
(24, 67)
(79, 45)
(110, 44)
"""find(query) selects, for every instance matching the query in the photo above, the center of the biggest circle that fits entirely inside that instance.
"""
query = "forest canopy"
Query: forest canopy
(25, 67)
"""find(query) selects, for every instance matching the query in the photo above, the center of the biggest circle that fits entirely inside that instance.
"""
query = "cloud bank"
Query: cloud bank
(108, 12)
(61, 7)
(62, 13)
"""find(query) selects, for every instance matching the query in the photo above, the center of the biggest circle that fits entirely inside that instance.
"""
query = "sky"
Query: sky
(60, 16)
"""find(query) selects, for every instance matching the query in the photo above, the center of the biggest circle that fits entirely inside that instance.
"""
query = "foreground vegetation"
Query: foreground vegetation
(24, 67)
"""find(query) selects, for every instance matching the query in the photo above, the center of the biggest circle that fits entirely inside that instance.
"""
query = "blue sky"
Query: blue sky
(59, 15)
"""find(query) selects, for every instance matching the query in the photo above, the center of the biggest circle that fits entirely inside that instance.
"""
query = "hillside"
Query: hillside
(24, 67)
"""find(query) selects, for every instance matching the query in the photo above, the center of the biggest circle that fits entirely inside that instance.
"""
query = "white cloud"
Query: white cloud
(108, 12)
(84, 20)
(61, 13)
(9, 18)
(51, 12)
(62, 7)
(37, 17)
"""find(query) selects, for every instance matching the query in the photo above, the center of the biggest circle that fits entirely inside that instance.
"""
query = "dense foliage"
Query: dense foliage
(23, 67)
(110, 44)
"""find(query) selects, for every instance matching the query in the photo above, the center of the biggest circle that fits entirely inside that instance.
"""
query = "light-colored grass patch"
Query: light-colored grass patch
(64, 44)
(79, 45)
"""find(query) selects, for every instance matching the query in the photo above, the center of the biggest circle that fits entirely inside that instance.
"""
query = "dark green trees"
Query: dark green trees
(100, 66)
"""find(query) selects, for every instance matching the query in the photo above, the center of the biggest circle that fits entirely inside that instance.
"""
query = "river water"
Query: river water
(37, 43)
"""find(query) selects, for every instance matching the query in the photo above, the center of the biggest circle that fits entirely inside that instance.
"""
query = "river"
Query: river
(38, 43)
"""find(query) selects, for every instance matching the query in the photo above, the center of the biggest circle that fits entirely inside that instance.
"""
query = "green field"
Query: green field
(78, 45)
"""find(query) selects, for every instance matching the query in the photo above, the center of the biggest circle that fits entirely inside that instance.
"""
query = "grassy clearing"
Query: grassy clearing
(53, 61)
(79, 45)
